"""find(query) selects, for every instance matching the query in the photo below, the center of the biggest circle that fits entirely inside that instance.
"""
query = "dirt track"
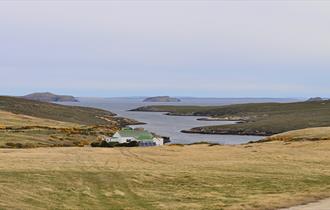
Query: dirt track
(320, 205)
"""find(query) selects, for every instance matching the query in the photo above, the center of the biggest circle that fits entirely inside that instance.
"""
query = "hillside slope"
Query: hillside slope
(73, 114)
(27, 124)
(308, 134)
(8, 119)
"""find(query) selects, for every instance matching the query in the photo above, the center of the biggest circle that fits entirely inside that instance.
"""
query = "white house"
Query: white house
(143, 137)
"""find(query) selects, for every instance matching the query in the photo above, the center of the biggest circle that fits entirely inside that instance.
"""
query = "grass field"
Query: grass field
(256, 176)
(258, 119)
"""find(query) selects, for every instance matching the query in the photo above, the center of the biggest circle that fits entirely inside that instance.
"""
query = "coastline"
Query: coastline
(201, 130)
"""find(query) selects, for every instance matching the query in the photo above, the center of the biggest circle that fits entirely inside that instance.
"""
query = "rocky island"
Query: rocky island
(161, 99)
(50, 97)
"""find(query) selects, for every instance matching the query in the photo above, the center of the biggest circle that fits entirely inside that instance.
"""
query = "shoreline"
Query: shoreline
(226, 132)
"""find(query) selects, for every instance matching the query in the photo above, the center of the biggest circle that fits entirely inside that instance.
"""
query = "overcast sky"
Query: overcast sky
(180, 48)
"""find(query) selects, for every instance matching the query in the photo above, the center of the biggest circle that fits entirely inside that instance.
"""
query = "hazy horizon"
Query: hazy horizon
(223, 49)
(175, 96)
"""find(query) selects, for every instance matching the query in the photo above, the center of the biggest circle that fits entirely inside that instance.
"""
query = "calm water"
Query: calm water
(171, 125)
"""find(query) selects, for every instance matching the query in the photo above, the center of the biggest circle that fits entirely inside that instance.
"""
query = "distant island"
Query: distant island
(315, 99)
(50, 97)
(161, 99)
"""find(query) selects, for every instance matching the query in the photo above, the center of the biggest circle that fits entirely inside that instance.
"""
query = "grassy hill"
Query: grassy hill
(308, 134)
(8, 119)
(22, 131)
(256, 176)
(258, 119)
(73, 114)
(26, 124)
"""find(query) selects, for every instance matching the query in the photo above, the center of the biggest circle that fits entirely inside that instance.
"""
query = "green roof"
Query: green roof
(139, 135)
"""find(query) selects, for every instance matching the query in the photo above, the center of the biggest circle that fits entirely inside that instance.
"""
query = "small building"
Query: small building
(143, 137)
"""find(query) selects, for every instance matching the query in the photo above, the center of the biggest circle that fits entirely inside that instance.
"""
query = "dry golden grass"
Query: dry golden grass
(309, 134)
(21, 131)
(18, 120)
(257, 176)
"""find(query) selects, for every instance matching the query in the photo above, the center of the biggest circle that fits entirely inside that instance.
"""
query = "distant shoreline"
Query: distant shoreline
(200, 130)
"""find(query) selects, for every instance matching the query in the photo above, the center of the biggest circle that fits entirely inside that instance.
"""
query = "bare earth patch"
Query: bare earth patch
(320, 205)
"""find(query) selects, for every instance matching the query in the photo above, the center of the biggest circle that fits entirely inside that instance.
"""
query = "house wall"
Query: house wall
(116, 135)
(126, 139)
(159, 141)
(121, 139)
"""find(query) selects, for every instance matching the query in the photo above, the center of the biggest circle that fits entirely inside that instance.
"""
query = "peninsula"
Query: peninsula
(262, 119)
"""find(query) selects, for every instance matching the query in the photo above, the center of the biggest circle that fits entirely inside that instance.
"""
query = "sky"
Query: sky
(219, 48)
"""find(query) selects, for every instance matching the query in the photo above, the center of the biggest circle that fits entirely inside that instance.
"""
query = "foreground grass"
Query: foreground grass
(258, 119)
(256, 176)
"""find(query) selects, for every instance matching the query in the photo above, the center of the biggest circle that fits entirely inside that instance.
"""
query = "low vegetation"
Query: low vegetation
(254, 176)
(44, 136)
(114, 144)
(258, 119)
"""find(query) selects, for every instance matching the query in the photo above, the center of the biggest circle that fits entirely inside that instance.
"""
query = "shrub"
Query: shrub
(114, 144)
(95, 144)
(103, 144)
(10, 144)
(14, 145)
(130, 144)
